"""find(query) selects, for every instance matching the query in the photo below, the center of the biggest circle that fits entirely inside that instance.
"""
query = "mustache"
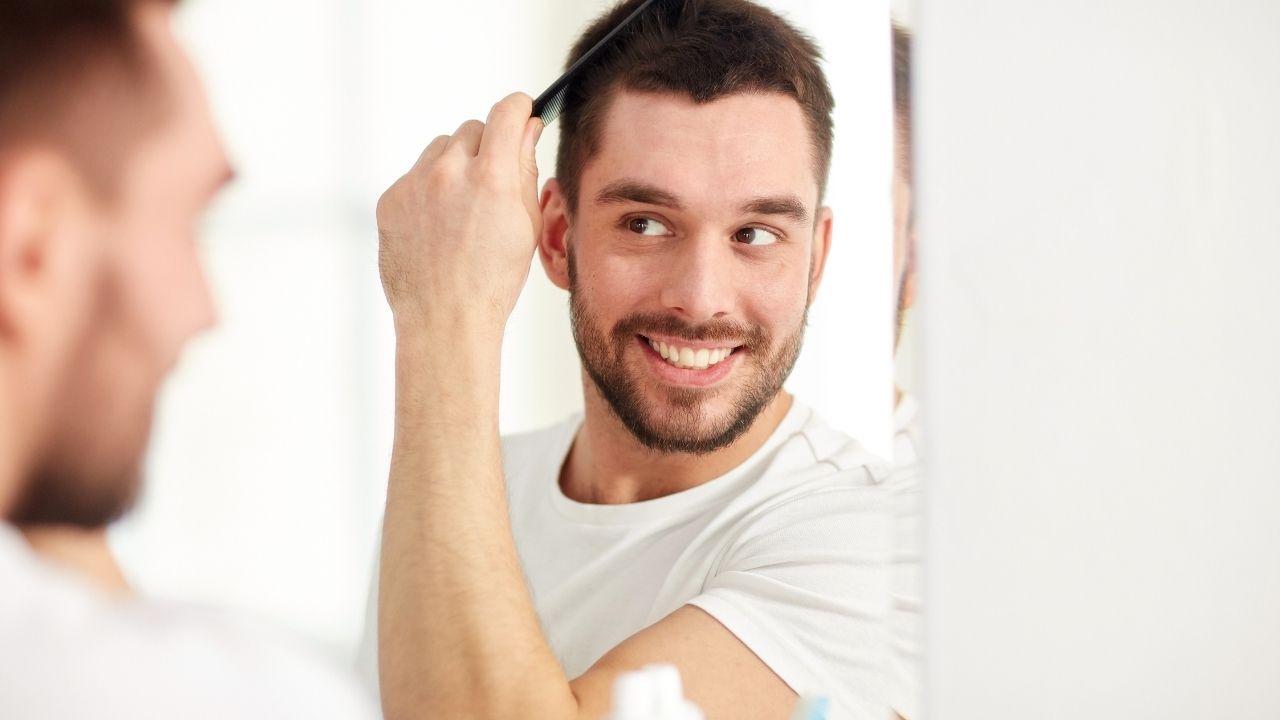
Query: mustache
(751, 336)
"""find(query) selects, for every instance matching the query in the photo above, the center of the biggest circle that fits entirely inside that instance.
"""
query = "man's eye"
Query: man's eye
(647, 226)
(755, 236)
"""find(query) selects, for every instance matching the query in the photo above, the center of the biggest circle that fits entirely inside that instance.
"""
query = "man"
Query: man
(903, 484)
(696, 514)
(904, 247)
(108, 158)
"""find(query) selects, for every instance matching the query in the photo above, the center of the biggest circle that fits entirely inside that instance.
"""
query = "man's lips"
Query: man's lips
(703, 365)
(691, 354)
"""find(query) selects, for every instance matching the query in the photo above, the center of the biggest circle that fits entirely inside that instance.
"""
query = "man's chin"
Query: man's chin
(688, 421)
(58, 497)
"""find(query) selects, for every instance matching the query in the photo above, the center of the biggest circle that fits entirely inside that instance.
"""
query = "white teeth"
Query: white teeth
(689, 358)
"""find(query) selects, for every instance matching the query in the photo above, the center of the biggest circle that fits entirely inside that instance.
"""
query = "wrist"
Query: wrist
(441, 366)
(456, 322)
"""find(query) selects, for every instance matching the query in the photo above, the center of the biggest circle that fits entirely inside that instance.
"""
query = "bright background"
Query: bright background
(1099, 228)
(268, 468)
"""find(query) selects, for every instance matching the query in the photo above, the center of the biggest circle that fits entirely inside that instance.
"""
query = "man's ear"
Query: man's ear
(37, 189)
(553, 245)
(821, 248)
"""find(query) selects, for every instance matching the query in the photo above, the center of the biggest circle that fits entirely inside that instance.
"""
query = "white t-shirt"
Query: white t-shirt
(790, 551)
(68, 652)
(906, 618)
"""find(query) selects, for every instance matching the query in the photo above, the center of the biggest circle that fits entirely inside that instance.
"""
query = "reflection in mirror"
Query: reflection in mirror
(676, 483)
(695, 513)
(906, 620)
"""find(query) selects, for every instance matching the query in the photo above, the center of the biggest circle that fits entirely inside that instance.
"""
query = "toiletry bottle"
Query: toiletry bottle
(652, 693)
(811, 708)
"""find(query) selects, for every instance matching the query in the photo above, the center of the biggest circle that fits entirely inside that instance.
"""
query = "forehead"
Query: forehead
(739, 146)
(188, 129)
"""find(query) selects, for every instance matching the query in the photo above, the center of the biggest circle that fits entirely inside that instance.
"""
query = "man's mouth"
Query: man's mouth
(690, 358)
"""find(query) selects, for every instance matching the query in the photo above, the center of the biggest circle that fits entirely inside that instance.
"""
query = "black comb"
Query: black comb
(551, 101)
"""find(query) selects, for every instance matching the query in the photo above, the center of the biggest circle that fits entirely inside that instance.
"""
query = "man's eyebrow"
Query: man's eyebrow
(633, 191)
(786, 205)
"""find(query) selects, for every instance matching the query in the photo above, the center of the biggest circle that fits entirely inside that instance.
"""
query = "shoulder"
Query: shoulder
(812, 459)
(819, 491)
(836, 449)
(802, 577)
(67, 651)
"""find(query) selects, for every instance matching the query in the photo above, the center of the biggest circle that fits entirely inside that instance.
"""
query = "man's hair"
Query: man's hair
(902, 94)
(74, 74)
(702, 49)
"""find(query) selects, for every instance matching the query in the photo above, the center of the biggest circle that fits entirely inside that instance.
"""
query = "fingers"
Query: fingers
(433, 150)
(505, 127)
(466, 140)
(509, 133)
(529, 144)
(528, 155)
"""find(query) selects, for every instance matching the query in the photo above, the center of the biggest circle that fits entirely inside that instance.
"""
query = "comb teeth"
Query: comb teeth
(551, 102)
(550, 109)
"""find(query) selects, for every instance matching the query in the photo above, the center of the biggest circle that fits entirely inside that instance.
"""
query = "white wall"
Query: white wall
(1098, 184)
(268, 468)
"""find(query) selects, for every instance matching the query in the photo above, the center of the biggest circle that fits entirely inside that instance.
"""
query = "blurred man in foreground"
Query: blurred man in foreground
(108, 158)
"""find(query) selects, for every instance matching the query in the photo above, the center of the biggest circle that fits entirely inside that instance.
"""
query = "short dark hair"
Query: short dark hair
(902, 94)
(59, 58)
(702, 49)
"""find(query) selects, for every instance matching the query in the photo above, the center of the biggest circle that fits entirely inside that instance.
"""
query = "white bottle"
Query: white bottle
(652, 693)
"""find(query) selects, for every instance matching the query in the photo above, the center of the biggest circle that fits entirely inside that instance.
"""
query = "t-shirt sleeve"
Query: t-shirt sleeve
(805, 584)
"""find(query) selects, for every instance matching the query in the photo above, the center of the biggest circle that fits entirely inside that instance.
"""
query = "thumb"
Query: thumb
(529, 172)
(529, 151)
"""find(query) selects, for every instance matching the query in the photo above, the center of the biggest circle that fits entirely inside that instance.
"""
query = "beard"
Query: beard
(89, 471)
(64, 494)
(680, 421)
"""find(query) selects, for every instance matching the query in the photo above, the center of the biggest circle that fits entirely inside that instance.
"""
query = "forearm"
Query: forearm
(458, 635)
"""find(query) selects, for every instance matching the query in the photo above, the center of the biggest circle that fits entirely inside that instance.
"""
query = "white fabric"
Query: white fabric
(790, 551)
(906, 619)
(68, 652)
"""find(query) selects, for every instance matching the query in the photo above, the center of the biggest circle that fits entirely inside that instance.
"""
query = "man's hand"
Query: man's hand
(458, 231)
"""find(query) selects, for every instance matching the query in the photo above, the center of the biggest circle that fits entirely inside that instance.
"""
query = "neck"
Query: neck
(10, 462)
(608, 465)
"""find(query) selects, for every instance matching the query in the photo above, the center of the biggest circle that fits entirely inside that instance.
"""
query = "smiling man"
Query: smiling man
(695, 513)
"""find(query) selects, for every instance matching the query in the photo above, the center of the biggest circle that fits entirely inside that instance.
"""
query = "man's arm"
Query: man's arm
(458, 634)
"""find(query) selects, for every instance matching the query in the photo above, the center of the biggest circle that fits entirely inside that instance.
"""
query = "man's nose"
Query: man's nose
(699, 281)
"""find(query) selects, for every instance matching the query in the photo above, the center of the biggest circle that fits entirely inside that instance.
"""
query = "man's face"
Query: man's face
(904, 238)
(147, 297)
(693, 255)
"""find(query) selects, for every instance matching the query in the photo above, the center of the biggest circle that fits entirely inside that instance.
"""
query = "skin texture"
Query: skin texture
(904, 231)
(84, 551)
(713, 160)
(98, 295)
(458, 635)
